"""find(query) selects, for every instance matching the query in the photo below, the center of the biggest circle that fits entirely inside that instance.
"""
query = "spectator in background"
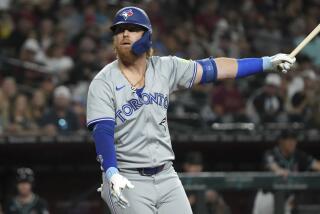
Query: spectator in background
(215, 203)
(21, 32)
(315, 108)
(193, 164)
(31, 51)
(60, 38)
(285, 158)
(267, 104)
(228, 103)
(311, 90)
(263, 203)
(269, 38)
(8, 92)
(58, 63)
(69, 18)
(299, 109)
(44, 8)
(207, 15)
(303, 99)
(7, 26)
(79, 104)
(26, 201)
(35, 46)
(105, 55)
(79, 108)
(38, 106)
(61, 119)
(4, 112)
(9, 89)
(21, 121)
(47, 86)
(86, 65)
(29, 70)
(44, 36)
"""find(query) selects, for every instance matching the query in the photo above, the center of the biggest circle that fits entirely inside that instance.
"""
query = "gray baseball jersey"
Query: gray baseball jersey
(142, 137)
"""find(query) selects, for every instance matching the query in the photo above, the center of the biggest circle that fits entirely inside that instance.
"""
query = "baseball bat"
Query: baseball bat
(306, 40)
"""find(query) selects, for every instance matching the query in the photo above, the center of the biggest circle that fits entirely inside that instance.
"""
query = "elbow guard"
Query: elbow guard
(209, 69)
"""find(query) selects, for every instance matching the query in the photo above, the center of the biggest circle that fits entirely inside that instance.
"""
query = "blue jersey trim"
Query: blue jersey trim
(92, 122)
(139, 91)
(195, 70)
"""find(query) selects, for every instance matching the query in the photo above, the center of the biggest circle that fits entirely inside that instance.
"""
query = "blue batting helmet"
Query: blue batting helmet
(136, 16)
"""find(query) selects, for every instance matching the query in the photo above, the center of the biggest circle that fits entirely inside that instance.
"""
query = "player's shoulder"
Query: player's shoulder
(105, 77)
(107, 72)
(165, 59)
(162, 65)
(155, 60)
(166, 63)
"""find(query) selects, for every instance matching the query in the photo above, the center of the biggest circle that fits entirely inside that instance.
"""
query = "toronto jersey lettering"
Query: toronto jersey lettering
(145, 99)
(142, 138)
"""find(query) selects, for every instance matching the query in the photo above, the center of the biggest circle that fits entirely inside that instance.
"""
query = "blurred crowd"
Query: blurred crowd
(51, 49)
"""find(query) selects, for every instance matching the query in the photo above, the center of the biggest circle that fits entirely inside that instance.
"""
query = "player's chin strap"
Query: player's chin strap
(142, 45)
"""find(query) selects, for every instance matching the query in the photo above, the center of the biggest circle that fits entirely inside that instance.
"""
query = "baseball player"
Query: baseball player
(127, 113)
(26, 201)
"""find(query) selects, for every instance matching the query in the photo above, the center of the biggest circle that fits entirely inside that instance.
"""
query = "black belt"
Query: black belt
(149, 171)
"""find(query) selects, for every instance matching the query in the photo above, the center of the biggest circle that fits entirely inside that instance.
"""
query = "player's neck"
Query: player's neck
(138, 66)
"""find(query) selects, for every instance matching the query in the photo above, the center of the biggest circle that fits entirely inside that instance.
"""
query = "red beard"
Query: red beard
(125, 55)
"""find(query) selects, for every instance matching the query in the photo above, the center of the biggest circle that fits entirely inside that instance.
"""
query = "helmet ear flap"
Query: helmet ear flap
(143, 44)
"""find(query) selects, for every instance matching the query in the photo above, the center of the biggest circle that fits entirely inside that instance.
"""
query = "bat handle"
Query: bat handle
(305, 41)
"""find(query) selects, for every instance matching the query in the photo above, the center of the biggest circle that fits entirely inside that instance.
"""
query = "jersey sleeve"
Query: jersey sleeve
(180, 72)
(100, 103)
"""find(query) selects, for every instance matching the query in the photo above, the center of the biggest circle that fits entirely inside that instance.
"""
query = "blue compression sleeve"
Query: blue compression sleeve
(250, 66)
(103, 135)
(246, 67)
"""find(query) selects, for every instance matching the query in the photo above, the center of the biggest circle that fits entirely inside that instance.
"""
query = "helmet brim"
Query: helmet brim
(114, 27)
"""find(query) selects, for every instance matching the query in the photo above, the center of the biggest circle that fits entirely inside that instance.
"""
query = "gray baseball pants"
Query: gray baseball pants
(161, 193)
